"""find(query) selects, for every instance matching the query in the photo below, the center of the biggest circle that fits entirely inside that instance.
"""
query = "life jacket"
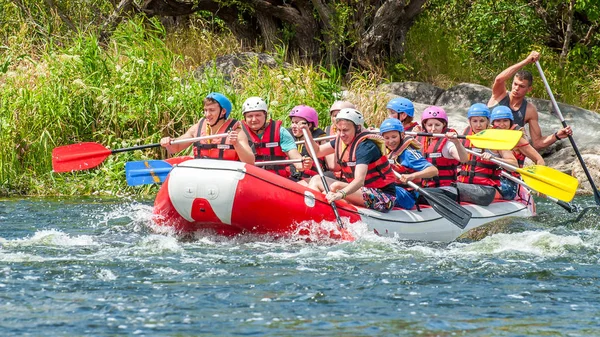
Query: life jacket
(302, 148)
(330, 130)
(410, 126)
(269, 147)
(379, 172)
(215, 148)
(393, 156)
(518, 154)
(432, 151)
(476, 170)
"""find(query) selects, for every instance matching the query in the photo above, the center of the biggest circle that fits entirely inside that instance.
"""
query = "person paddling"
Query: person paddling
(269, 139)
(524, 112)
(403, 110)
(478, 181)
(369, 176)
(444, 153)
(216, 120)
(302, 115)
(502, 118)
(406, 159)
(331, 168)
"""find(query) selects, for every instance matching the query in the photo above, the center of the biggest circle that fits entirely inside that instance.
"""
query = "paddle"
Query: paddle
(144, 172)
(495, 139)
(83, 156)
(444, 205)
(313, 155)
(543, 179)
(567, 206)
(562, 120)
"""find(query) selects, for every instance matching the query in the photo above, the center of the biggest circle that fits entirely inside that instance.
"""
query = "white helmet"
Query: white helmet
(352, 115)
(254, 104)
(339, 105)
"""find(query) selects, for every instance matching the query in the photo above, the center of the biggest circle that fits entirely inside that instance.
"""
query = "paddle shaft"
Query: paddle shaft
(178, 141)
(317, 139)
(571, 140)
(567, 206)
(315, 159)
(428, 134)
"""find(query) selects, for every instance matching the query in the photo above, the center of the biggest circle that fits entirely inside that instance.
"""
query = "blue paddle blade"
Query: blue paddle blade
(147, 172)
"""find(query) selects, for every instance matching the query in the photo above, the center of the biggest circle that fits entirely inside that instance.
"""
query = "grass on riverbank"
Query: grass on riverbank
(139, 88)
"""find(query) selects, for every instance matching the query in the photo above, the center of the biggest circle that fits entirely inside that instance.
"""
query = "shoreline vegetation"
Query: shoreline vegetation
(140, 87)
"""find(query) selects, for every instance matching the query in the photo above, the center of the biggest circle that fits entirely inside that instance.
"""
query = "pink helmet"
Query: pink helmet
(434, 112)
(306, 112)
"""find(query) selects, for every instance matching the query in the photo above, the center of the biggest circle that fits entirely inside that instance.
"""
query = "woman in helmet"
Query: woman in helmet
(479, 178)
(403, 110)
(270, 140)
(331, 130)
(304, 115)
(444, 153)
(407, 161)
(502, 118)
(369, 176)
(216, 120)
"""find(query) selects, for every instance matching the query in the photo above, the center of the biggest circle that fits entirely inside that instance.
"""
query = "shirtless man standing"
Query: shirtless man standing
(524, 112)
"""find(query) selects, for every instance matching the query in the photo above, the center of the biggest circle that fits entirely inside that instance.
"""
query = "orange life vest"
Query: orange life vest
(476, 170)
(269, 147)
(432, 151)
(379, 172)
(215, 148)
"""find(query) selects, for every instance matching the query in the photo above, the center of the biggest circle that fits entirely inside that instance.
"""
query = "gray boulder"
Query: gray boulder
(464, 95)
(420, 92)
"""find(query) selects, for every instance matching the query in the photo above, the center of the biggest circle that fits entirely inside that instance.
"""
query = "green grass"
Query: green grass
(139, 88)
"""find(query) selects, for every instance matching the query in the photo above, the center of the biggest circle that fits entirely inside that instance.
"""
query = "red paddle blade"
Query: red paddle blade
(78, 157)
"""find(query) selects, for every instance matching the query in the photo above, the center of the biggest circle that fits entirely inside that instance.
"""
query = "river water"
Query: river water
(94, 267)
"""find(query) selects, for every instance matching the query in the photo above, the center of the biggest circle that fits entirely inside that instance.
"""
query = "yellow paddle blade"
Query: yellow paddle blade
(496, 139)
(549, 181)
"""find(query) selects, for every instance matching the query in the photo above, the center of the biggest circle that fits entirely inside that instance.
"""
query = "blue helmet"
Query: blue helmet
(223, 101)
(401, 104)
(391, 124)
(478, 110)
(501, 112)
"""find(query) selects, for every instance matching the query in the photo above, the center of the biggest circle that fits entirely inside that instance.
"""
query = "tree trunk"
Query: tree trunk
(125, 7)
(568, 33)
(386, 37)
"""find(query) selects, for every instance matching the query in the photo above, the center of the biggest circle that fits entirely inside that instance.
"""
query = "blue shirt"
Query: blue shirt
(413, 159)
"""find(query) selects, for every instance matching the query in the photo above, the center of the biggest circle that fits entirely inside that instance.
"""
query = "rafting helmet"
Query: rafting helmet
(501, 112)
(223, 101)
(478, 110)
(352, 115)
(254, 104)
(339, 105)
(306, 112)
(434, 112)
(391, 124)
(401, 104)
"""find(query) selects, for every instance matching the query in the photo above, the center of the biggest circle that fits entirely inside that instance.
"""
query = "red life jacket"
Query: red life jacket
(393, 156)
(432, 151)
(379, 172)
(330, 131)
(410, 126)
(518, 154)
(304, 152)
(269, 147)
(476, 170)
(215, 148)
